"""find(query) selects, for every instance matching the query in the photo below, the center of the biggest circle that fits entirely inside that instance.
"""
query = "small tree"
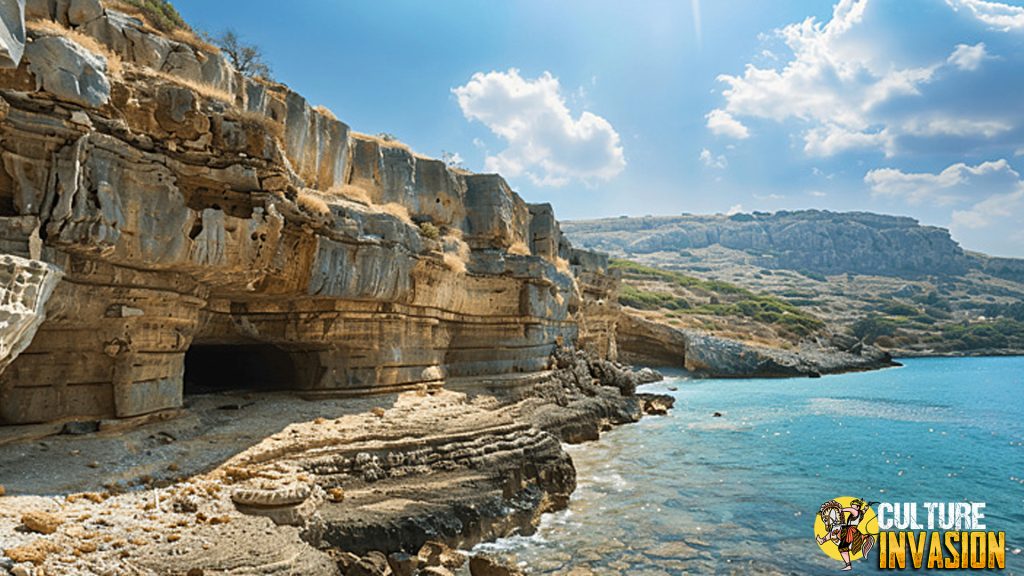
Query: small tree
(451, 159)
(246, 58)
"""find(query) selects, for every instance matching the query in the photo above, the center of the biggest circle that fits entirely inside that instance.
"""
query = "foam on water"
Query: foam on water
(695, 493)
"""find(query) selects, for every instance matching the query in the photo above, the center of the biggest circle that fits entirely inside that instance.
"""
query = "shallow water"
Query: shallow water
(692, 493)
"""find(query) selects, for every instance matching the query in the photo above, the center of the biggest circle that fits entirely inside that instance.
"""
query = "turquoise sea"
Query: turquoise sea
(694, 493)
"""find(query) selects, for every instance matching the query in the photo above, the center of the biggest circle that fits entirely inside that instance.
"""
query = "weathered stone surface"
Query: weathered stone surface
(83, 11)
(25, 288)
(484, 565)
(12, 33)
(186, 222)
(41, 522)
(496, 216)
(812, 240)
(642, 340)
(68, 71)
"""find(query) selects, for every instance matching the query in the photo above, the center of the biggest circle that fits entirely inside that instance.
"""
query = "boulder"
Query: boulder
(484, 565)
(41, 522)
(12, 32)
(403, 564)
(82, 11)
(436, 553)
(65, 69)
(373, 564)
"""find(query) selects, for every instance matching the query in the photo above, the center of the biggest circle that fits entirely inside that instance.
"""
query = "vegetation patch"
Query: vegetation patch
(695, 296)
(160, 14)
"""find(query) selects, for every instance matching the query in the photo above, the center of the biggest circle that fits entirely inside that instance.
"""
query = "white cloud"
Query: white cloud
(734, 209)
(998, 15)
(967, 57)
(817, 193)
(866, 80)
(994, 225)
(545, 143)
(831, 139)
(953, 184)
(712, 161)
(991, 209)
(955, 127)
(721, 123)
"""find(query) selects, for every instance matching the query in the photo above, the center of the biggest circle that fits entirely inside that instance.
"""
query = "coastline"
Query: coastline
(688, 490)
(433, 471)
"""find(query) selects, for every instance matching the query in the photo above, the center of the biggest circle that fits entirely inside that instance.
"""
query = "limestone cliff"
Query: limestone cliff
(202, 223)
(812, 240)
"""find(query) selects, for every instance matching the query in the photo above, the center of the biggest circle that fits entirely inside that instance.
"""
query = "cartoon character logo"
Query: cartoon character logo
(841, 529)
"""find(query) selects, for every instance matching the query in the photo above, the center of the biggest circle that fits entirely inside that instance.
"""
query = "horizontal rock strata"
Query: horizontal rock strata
(434, 466)
(212, 229)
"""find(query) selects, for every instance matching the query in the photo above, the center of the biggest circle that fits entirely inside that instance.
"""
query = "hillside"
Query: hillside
(887, 280)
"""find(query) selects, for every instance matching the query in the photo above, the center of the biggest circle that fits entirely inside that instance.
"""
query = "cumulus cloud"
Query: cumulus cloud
(967, 57)
(865, 81)
(712, 161)
(985, 201)
(544, 141)
(998, 15)
(955, 183)
(721, 123)
(734, 209)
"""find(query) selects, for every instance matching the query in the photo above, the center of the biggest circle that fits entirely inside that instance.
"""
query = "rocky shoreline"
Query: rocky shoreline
(435, 471)
(643, 341)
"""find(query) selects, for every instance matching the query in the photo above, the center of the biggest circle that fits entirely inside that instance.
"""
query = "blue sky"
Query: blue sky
(605, 108)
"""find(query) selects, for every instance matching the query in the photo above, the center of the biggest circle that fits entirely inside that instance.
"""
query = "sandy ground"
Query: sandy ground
(214, 428)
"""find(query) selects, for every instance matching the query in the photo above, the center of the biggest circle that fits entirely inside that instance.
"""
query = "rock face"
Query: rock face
(12, 33)
(67, 70)
(812, 240)
(214, 230)
(25, 287)
(641, 340)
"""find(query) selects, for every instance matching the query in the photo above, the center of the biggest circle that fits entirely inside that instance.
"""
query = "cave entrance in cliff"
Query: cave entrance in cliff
(230, 367)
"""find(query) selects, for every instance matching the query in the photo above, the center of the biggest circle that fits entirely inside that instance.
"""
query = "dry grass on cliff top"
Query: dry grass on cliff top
(274, 127)
(519, 248)
(311, 202)
(380, 141)
(201, 88)
(397, 210)
(351, 192)
(456, 251)
(324, 111)
(51, 28)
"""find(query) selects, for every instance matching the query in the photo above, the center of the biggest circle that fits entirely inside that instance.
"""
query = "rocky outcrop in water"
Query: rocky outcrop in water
(810, 240)
(702, 354)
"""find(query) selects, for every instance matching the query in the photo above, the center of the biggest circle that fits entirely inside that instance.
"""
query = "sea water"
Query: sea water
(694, 493)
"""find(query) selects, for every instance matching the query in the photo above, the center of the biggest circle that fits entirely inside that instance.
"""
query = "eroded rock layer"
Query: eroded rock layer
(194, 213)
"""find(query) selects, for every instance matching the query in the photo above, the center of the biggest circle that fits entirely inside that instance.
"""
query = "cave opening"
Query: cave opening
(235, 367)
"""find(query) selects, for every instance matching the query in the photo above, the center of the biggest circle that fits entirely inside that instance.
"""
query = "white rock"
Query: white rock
(68, 71)
(12, 32)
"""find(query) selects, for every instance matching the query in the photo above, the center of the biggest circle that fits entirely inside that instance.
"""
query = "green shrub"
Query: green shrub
(645, 300)
(725, 299)
(430, 231)
(159, 13)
